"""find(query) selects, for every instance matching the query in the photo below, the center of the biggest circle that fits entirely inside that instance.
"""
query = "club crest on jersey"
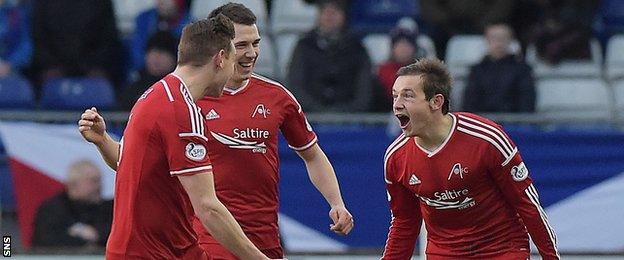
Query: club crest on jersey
(261, 111)
(458, 170)
(195, 152)
(519, 172)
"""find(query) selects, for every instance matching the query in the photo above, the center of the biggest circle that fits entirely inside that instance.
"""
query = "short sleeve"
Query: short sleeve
(182, 131)
(296, 128)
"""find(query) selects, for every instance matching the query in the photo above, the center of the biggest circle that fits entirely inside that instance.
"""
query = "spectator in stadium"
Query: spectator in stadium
(404, 50)
(15, 42)
(164, 171)
(501, 82)
(566, 30)
(330, 70)
(459, 173)
(160, 59)
(168, 15)
(248, 175)
(78, 216)
(446, 18)
(76, 38)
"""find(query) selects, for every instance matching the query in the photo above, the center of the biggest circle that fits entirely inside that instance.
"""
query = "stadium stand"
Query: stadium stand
(614, 64)
(285, 45)
(267, 63)
(292, 16)
(372, 16)
(462, 52)
(618, 89)
(16, 93)
(77, 94)
(576, 98)
(201, 8)
(127, 11)
(567, 68)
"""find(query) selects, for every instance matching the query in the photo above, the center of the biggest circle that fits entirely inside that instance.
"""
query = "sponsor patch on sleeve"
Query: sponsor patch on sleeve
(195, 152)
(519, 172)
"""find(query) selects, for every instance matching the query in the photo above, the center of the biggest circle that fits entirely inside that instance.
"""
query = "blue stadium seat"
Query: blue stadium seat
(380, 16)
(16, 93)
(77, 93)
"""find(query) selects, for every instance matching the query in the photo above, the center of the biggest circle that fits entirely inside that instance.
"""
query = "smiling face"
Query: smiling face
(410, 105)
(247, 46)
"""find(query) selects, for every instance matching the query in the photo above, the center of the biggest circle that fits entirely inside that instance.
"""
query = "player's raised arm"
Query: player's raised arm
(92, 127)
(216, 218)
(323, 177)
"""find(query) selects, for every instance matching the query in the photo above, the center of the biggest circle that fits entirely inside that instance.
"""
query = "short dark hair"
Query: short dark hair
(202, 39)
(435, 77)
(238, 13)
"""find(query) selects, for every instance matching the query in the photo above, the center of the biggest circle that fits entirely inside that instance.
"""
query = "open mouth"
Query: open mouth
(403, 120)
(246, 64)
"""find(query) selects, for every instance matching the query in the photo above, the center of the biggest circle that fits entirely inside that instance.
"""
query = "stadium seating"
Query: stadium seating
(581, 98)
(567, 68)
(286, 44)
(201, 9)
(292, 16)
(16, 93)
(374, 16)
(614, 64)
(77, 94)
(610, 18)
(378, 47)
(618, 89)
(266, 63)
(457, 95)
(126, 12)
(462, 52)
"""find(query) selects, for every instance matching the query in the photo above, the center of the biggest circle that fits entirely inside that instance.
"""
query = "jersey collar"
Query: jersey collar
(434, 152)
(232, 92)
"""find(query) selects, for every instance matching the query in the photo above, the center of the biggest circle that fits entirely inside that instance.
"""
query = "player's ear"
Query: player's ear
(219, 58)
(436, 102)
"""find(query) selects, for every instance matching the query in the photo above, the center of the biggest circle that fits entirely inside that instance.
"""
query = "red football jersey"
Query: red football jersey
(164, 138)
(242, 133)
(473, 193)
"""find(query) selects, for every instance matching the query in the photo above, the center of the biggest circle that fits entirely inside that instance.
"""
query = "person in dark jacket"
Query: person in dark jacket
(160, 60)
(500, 82)
(77, 217)
(330, 70)
(75, 38)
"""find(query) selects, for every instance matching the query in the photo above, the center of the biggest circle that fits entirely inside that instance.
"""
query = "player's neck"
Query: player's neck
(195, 81)
(236, 84)
(435, 135)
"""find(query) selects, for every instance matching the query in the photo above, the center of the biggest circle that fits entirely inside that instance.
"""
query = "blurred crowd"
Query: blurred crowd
(330, 67)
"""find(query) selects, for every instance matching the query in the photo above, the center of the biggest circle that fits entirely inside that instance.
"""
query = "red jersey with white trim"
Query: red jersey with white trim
(243, 140)
(164, 138)
(474, 194)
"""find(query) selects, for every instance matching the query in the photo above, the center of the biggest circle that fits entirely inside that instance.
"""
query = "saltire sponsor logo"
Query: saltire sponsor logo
(450, 199)
(235, 143)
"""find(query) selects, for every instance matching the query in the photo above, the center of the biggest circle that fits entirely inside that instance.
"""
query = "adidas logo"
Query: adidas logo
(212, 115)
(414, 180)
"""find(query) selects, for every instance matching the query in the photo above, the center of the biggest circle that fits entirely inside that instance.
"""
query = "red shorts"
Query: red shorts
(219, 252)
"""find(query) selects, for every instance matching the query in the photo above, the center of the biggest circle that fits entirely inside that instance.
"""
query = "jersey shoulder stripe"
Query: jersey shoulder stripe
(273, 83)
(392, 148)
(489, 133)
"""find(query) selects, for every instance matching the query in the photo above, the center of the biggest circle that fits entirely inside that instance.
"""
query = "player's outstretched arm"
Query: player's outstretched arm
(323, 177)
(216, 218)
(92, 127)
